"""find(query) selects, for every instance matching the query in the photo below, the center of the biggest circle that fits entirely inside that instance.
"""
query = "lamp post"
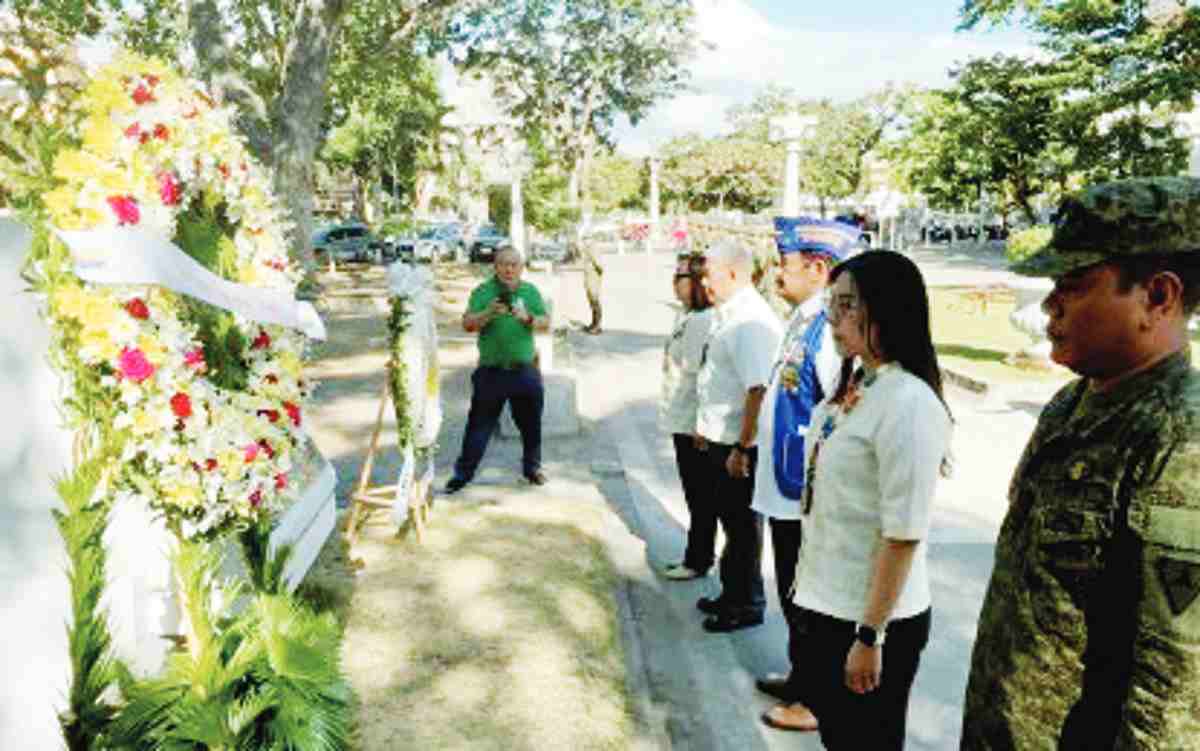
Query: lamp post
(790, 130)
(653, 237)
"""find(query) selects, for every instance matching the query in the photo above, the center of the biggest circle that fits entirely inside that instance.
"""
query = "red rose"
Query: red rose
(224, 170)
(126, 209)
(142, 95)
(255, 498)
(133, 131)
(262, 341)
(270, 414)
(169, 189)
(181, 405)
(152, 80)
(161, 132)
(293, 413)
(266, 447)
(281, 481)
(137, 308)
(210, 464)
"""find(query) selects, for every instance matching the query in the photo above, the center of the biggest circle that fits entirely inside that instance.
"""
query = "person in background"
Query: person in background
(875, 451)
(1089, 637)
(735, 368)
(806, 369)
(677, 415)
(505, 312)
(593, 278)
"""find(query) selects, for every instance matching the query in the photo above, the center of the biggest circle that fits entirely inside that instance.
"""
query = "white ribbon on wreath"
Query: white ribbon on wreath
(128, 255)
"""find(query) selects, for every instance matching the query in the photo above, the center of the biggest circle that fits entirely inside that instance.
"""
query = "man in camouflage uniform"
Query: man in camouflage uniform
(593, 273)
(1089, 636)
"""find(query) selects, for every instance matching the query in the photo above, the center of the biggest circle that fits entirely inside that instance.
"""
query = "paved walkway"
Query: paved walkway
(701, 684)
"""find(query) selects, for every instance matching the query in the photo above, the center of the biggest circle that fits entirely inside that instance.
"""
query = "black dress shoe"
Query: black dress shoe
(710, 605)
(776, 685)
(726, 622)
(454, 485)
(536, 478)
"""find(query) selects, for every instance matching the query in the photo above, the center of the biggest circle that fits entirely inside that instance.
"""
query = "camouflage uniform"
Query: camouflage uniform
(592, 273)
(1089, 637)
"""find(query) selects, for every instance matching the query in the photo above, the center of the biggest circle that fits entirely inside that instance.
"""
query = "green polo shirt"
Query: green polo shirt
(505, 341)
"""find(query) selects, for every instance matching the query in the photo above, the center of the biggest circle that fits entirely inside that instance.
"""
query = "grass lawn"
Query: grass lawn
(975, 339)
(499, 631)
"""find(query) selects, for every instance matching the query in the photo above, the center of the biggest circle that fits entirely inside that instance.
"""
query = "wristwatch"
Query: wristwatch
(869, 635)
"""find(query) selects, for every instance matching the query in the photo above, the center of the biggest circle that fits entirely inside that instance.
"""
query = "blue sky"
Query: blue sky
(839, 50)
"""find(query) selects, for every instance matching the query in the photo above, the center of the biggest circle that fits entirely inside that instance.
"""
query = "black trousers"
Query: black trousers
(695, 474)
(522, 388)
(850, 721)
(741, 560)
(786, 536)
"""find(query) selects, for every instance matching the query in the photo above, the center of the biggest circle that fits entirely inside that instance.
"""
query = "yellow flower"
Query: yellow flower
(70, 301)
(290, 364)
(185, 496)
(98, 341)
(101, 136)
(98, 313)
(248, 273)
(143, 422)
(154, 350)
(60, 202)
(75, 165)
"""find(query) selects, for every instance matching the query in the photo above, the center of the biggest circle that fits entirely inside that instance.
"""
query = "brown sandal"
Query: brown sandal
(796, 718)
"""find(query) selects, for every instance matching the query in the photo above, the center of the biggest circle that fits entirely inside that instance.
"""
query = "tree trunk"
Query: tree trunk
(573, 186)
(298, 111)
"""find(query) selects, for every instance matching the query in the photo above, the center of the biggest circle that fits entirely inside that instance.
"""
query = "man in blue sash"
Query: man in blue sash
(806, 369)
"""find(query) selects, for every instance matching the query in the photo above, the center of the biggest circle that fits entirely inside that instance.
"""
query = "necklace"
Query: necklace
(862, 380)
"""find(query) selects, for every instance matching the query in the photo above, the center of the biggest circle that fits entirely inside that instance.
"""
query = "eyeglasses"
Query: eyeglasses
(837, 306)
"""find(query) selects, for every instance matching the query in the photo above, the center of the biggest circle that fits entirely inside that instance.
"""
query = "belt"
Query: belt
(510, 366)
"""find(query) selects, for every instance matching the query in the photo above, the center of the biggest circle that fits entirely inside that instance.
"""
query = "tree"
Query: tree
(616, 182)
(565, 70)
(720, 173)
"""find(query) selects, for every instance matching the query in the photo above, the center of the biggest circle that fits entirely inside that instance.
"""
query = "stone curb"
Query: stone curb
(975, 386)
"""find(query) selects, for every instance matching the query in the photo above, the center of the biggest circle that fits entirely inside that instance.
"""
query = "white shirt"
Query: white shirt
(681, 365)
(874, 478)
(739, 356)
(767, 498)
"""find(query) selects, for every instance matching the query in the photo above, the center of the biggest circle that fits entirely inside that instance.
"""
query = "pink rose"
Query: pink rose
(126, 209)
(169, 189)
(194, 358)
(255, 499)
(250, 452)
(134, 365)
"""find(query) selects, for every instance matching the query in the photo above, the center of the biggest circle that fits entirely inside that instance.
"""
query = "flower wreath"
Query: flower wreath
(201, 408)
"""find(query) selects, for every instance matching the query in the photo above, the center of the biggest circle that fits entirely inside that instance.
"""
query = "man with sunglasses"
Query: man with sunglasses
(806, 369)
(1089, 637)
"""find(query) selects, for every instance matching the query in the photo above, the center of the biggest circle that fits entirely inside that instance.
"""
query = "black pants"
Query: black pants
(741, 560)
(785, 540)
(491, 388)
(695, 475)
(850, 721)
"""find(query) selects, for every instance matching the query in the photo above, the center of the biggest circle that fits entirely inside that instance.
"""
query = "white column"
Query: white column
(516, 224)
(790, 129)
(791, 180)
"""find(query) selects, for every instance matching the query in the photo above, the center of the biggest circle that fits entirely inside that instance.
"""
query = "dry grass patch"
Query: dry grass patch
(498, 632)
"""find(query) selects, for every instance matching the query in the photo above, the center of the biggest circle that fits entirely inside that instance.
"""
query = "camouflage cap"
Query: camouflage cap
(1119, 219)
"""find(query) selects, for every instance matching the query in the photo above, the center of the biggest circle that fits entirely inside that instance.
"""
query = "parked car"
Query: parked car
(441, 243)
(487, 240)
(347, 242)
(553, 249)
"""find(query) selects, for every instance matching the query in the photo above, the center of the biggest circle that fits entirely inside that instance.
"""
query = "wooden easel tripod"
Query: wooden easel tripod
(367, 498)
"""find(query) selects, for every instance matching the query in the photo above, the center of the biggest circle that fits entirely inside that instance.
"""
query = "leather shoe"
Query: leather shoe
(710, 605)
(536, 478)
(723, 623)
(774, 684)
(454, 485)
(794, 717)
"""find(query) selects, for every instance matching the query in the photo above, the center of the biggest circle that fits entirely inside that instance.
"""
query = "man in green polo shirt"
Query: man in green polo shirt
(505, 311)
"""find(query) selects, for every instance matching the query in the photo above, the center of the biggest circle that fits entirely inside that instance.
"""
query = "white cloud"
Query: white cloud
(750, 53)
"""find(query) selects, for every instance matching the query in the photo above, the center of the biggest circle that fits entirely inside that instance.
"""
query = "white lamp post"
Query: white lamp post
(652, 239)
(517, 162)
(790, 129)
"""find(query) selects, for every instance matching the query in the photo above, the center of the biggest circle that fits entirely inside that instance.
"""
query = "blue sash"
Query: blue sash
(798, 392)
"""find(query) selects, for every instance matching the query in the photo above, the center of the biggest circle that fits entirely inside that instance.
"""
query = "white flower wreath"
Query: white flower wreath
(204, 407)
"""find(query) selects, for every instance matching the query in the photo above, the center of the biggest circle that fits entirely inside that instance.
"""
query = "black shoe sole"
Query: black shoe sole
(710, 605)
(775, 688)
(719, 625)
